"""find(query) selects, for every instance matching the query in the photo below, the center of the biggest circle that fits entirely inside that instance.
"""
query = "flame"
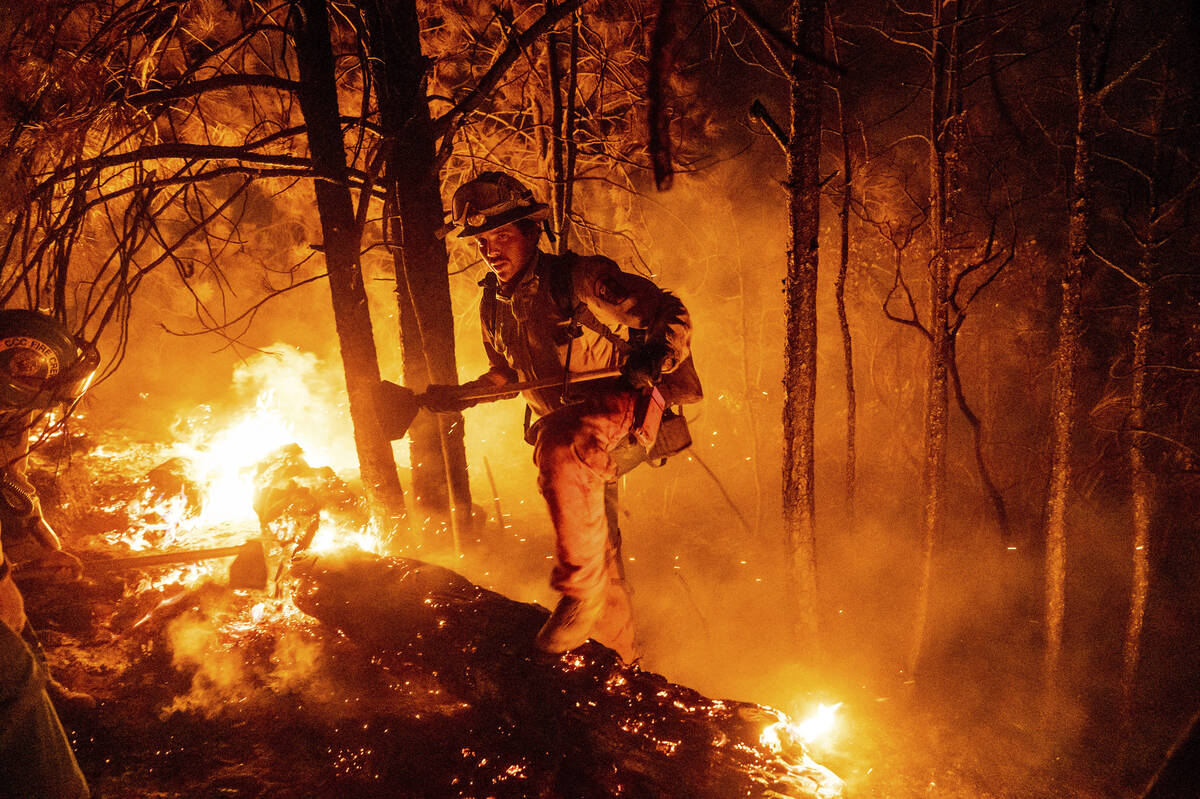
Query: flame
(225, 460)
(332, 537)
(290, 397)
(818, 727)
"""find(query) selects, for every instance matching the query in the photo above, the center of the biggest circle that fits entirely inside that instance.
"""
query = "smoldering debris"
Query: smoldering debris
(203, 690)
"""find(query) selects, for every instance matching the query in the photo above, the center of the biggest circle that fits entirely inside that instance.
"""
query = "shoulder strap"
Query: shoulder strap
(558, 272)
(561, 284)
(487, 304)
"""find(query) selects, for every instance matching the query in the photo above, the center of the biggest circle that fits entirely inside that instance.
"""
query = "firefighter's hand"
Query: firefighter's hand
(643, 368)
(52, 563)
(444, 398)
(43, 533)
(12, 606)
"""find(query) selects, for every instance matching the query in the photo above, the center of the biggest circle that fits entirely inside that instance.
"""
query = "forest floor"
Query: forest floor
(207, 692)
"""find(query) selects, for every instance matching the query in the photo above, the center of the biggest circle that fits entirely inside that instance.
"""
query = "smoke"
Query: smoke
(237, 654)
(703, 534)
(220, 674)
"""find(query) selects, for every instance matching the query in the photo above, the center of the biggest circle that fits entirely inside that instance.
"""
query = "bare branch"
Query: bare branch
(449, 121)
(216, 83)
(760, 112)
(764, 27)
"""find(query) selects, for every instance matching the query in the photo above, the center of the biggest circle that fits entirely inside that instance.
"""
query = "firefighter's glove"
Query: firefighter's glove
(444, 398)
(644, 366)
(57, 563)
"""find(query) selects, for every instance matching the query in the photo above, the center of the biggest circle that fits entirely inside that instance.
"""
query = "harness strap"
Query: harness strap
(561, 282)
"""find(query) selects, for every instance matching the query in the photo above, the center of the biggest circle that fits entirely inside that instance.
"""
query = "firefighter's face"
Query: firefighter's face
(507, 249)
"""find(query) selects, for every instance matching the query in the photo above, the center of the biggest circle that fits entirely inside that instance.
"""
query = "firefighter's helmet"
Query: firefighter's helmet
(41, 363)
(492, 200)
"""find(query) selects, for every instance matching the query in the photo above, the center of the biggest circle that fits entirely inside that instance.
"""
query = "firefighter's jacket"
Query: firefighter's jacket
(527, 322)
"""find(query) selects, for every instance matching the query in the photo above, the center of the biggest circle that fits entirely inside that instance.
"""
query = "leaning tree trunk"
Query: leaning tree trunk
(342, 237)
(414, 214)
(622, 730)
(800, 292)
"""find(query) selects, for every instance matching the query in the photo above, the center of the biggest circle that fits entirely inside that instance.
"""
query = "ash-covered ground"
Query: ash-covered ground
(203, 691)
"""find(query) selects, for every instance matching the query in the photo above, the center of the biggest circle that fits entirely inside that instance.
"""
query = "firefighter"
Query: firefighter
(543, 315)
(42, 366)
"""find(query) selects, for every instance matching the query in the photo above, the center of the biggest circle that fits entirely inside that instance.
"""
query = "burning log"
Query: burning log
(629, 732)
(175, 478)
(290, 496)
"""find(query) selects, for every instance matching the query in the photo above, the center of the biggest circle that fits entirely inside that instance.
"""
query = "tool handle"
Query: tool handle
(160, 559)
(485, 393)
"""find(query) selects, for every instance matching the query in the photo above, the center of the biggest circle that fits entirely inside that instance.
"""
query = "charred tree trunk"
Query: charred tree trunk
(839, 291)
(1067, 349)
(342, 237)
(1141, 481)
(664, 44)
(626, 731)
(414, 213)
(570, 147)
(800, 290)
(1141, 494)
(562, 122)
(944, 134)
(558, 168)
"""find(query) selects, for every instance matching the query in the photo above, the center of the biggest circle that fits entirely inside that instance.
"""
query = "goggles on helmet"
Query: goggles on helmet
(489, 201)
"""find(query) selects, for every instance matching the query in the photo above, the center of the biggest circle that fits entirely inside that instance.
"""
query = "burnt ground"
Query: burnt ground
(206, 692)
(343, 728)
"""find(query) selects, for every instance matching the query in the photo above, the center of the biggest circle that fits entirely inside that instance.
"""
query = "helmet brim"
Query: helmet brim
(536, 212)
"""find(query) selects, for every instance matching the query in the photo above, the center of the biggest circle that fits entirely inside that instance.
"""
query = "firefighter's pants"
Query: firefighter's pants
(572, 456)
(35, 757)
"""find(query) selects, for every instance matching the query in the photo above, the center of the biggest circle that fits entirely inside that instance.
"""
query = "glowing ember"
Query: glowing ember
(817, 727)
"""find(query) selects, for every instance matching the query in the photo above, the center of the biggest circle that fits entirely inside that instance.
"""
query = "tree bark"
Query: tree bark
(1141, 481)
(1066, 356)
(558, 167)
(945, 120)
(414, 214)
(800, 290)
(1141, 495)
(839, 293)
(626, 731)
(317, 94)
(563, 115)
(664, 44)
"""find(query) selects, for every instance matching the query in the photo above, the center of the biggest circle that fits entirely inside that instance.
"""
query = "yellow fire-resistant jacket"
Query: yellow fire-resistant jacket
(526, 331)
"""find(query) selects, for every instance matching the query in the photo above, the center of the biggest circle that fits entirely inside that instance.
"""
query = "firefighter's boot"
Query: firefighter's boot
(570, 625)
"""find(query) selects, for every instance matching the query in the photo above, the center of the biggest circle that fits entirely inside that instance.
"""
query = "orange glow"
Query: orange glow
(817, 728)
(291, 398)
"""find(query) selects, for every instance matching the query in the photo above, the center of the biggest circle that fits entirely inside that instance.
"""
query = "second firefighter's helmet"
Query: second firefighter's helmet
(41, 363)
(492, 200)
